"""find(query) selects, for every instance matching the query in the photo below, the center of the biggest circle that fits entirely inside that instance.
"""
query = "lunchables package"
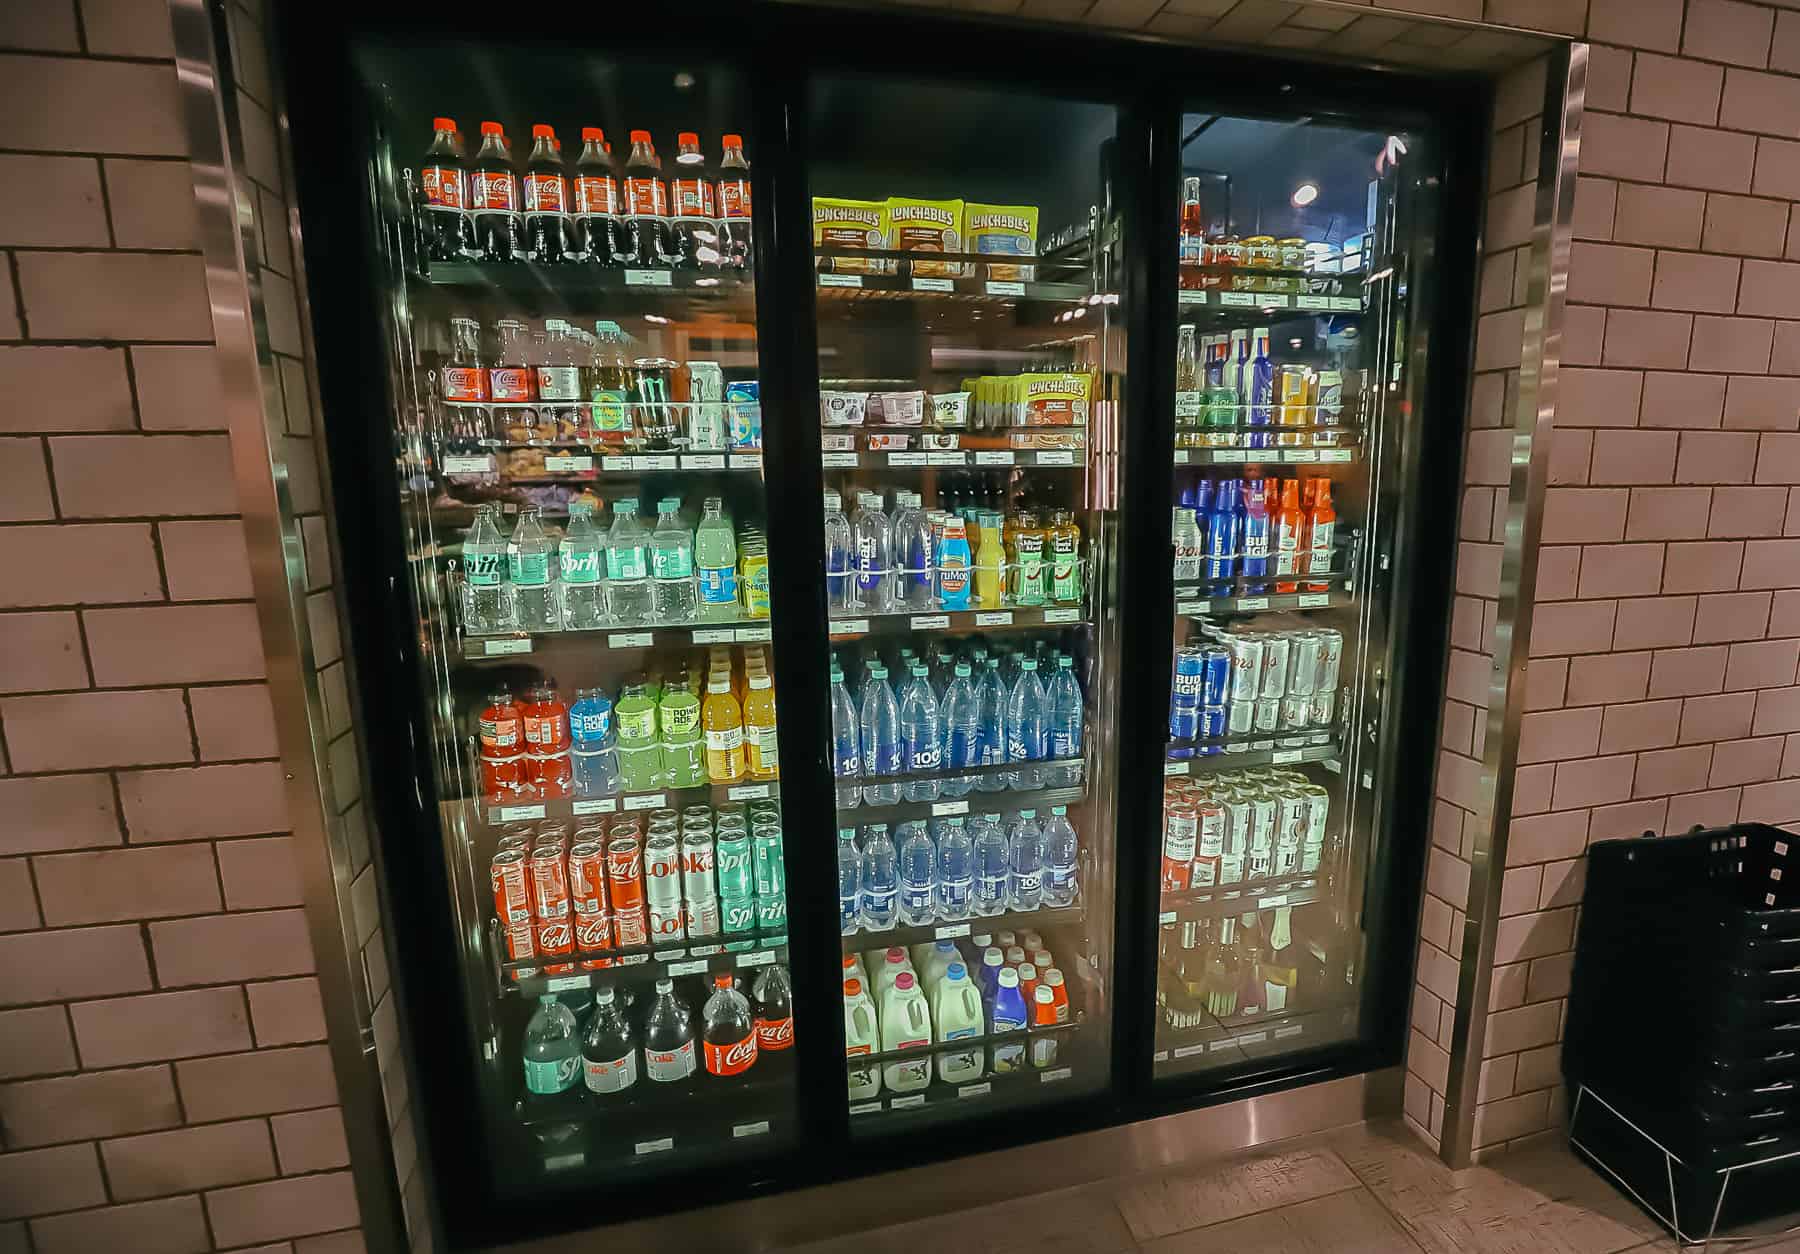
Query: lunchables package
(850, 224)
(926, 226)
(1004, 230)
(1060, 399)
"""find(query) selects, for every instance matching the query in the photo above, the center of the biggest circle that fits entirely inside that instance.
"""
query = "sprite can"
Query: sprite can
(736, 880)
(771, 874)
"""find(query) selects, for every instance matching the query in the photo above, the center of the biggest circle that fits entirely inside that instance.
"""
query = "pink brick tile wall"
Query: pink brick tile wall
(164, 1085)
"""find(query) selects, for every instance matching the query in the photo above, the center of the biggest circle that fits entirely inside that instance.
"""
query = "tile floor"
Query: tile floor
(1372, 1189)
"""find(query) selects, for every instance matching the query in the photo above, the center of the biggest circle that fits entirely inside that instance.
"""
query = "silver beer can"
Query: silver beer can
(1275, 656)
(1268, 714)
(1296, 712)
(1246, 667)
(1322, 708)
(1303, 664)
(1240, 718)
(1331, 657)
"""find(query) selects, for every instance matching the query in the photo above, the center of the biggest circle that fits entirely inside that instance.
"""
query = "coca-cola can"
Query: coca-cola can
(1331, 657)
(1246, 667)
(520, 945)
(512, 887)
(1303, 665)
(1181, 827)
(550, 912)
(1276, 655)
(625, 886)
(699, 889)
(587, 893)
(662, 888)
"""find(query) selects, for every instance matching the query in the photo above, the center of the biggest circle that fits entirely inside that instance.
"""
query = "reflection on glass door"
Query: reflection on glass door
(970, 366)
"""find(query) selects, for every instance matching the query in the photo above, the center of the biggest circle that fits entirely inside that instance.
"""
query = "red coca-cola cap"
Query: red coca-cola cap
(732, 141)
(688, 139)
(541, 131)
(492, 128)
(593, 133)
(443, 124)
(640, 137)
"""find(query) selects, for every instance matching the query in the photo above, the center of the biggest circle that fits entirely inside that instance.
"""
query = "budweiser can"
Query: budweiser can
(1268, 714)
(699, 890)
(550, 912)
(625, 885)
(587, 894)
(662, 887)
(1181, 823)
(1303, 665)
(1209, 843)
(1331, 657)
(1246, 667)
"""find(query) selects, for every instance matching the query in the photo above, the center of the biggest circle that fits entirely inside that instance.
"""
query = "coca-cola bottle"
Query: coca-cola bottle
(774, 1008)
(647, 204)
(463, 385)
(609, 1061)
(494, 198)
(444, 179)
(730, 1033)
(546, 199)
(668, 1040)
(734, 205)
(695, 227)
(600, 233)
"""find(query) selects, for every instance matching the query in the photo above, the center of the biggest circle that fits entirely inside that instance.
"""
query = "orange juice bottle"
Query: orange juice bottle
(723, 722)
(759, 726)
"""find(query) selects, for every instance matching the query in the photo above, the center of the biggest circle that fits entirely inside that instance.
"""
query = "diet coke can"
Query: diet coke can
(625, 885)
(699, 890)
(587, 894)
(550, 912)
(662, 876)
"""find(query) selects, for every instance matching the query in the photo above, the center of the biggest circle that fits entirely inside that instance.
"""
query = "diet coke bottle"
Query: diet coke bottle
(609, 1061)
(668, 1040)
(730, 1033)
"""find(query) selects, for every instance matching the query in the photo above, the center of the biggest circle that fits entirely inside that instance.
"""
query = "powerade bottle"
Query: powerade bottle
(444, 180)
(1224, 539)
(880, 879)
(990, 737)
(639, 741)
(1257, 535)
(595, 746)
(881, 753)
(846, 745)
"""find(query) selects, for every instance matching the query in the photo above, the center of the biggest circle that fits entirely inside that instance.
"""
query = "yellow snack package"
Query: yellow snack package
(1057, 400)
(1004, 230)
(927, 226)
(849, 224)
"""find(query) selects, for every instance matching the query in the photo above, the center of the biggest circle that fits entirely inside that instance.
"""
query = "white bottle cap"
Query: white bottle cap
(1053, 978)
(1042, 995)
(1009, 978)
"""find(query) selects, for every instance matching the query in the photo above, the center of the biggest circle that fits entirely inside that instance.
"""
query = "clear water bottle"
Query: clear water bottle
(990, 726)
(551, 1050)
(849, 882)
(1027, 727)
(1065, 724)
(1061, 852)
(915, 555)
(921, 735)
(880, 737)
(487, 596)
(846, 742)
(672, 564)
(1026, 844)
(918, 874)
(955, 872)
(628, 597)
(583, 595)
(880, 878)
(962, 732)
(872, 588)
(595, 744)
(839, 565)
(993, 866)
(530, 564)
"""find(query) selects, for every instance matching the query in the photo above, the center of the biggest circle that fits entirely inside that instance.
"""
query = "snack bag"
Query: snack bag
(1004, 230)
(850, 224)
(927, 226)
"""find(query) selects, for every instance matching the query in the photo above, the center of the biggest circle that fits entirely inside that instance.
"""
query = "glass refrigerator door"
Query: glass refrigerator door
(1289, 399)
(572, 325)
(970, 366)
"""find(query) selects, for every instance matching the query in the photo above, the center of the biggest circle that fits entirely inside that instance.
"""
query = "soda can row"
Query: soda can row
(1250, 826)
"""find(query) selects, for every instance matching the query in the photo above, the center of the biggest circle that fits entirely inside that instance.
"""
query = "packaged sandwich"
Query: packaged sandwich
(849, 224)
(1003, 230)
(926, 226)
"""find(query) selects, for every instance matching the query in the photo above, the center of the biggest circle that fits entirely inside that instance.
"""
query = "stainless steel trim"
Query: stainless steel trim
(1534, 419)
(227, 218)
(785, 1220)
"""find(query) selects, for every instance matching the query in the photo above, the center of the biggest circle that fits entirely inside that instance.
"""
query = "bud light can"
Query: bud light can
(1184, 698)
(1215, 675)
(1212, 729)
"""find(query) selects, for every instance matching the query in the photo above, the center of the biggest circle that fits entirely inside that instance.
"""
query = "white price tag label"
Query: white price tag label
(563, 984)
(562, 1162)
(567, 464)
(1167, 916)
(1181, 457)
(993, 457)
(500, 648)
(646, 801)
(994, 618)
(1005, 289)
(975, 1090)
(659, 461)
(931, 622)
(1055, 457)
(1188, 1051)
(759, 1128)
(1346, 304)
(1188, 297)
(630, 640)
(911, 1099)
(634, 960)
(1070, 615)
(746, 461)
(1054, 1074)
(757, 958)
(1292, 1029)
(941, 808)
(1161, 1055)
(703, 461)
(702, 951)
(1227, 1043)
(934, 285)
(518, 814)
(906, 459)
(1273, 300)
(467, 464)
(1336, 454)
(752, 635)
(1193, 607)
(1220, 455)
(747, 792)
(669, 955)
(1313, 302)
(1313, 600)
(947, 457)
(950, 931)
(866, 1108)
(604, 805)
(1175, 768)
(1253, 603)
(849, 626)
(1299, 455)
(1269, 903)
(1250, 1038)
(687, 968)
(1282, 757)
(713, 635)
(649, 278)
(1245, 300)
(618, 463)
(661, 1143)
(838, 461)
(840, 280)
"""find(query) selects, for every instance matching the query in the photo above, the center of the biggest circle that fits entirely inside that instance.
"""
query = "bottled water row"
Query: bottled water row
(955, 868)
(913, 719)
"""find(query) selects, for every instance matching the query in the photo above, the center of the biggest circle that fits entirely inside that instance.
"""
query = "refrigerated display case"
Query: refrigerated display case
(1295, 436)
